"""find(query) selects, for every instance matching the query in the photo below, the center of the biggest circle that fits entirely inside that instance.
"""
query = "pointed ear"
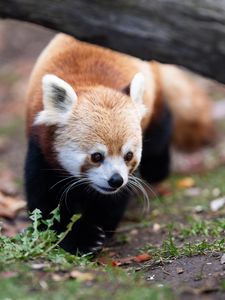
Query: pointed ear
(58, 99)
(137, 88)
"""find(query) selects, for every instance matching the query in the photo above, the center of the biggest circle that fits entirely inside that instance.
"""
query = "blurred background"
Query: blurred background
(20, 45)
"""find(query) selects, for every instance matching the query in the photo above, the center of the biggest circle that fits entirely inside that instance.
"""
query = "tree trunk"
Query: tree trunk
(190, 33)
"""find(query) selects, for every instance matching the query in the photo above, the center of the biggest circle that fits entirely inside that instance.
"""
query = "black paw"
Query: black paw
(95, 241)
(84, 238)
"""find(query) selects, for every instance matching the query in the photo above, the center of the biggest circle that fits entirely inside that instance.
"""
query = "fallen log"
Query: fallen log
(188, 33)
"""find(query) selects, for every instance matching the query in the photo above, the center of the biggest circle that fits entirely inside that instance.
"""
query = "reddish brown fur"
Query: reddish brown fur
(191, 107)
(83, 66)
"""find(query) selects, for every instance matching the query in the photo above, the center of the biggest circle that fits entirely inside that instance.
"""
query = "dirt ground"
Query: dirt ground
(196, 276)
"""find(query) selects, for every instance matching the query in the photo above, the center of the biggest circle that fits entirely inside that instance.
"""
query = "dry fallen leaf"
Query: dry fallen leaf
(162, 189)
(105, 261)
(10, 206)
(128, 260)
(7, 183)
(60, 277)
(142, 257)
(43, 284)
(81, 276)
(185, 183)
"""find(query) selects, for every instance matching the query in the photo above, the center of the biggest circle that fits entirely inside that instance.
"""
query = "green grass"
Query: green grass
(206, 228)
(184, 234)
(170, 250)
(189, 234)
(19, 280)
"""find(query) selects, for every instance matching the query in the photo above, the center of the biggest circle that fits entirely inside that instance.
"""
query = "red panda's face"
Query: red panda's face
(98, 136)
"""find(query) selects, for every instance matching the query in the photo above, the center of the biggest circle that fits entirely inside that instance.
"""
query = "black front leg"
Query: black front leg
(84, 237)
(98, 223)
(155, 162)
(40, 180)
(100, 213)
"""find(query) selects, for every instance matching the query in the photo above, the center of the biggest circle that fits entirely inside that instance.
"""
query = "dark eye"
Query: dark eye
(97, 157)
(128, 156)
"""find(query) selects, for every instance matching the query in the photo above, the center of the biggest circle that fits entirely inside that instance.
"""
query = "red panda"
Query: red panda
(93, 117)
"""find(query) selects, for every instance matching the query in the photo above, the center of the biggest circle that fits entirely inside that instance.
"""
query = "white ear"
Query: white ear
(137, 87)
(58, 99)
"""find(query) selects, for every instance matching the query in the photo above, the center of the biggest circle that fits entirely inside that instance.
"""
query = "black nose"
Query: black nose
(116, 180)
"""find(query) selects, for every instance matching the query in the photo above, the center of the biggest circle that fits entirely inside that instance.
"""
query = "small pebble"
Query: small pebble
(198, 209)
(134, 232)
(156, 227)
(152, 277)
(179, 270)
(216, 204)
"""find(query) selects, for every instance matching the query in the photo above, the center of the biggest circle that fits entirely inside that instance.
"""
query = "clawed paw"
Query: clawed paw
(97, 242)
(84, 238)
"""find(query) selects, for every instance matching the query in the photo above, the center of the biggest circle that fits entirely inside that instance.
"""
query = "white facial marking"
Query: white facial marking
(100, 176)
(99, 148)
(71, 159)
(127, 147)
(58, 99)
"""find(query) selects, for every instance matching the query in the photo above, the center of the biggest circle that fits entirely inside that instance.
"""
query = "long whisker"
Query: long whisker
(142, 185)
(74, 184)
(145, 195)
(147, 185)
(67, 178)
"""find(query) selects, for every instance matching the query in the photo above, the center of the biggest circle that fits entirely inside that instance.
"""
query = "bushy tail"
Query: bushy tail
(192, 111)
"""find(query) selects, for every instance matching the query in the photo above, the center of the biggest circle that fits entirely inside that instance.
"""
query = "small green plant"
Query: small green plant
(34, 243)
